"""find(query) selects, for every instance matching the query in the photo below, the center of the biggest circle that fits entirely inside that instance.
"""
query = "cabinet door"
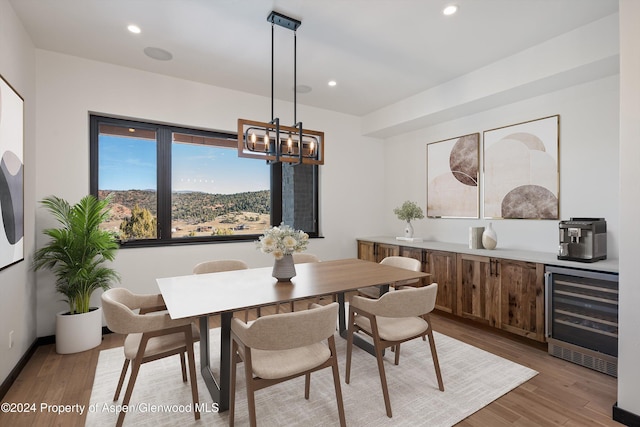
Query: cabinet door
(420, 255)
(478, 289)
(384, 250)
(522, 298)
(442, 267)
(366, 250)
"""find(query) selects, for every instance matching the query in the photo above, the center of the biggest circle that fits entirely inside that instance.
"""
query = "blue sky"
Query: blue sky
(130, 164)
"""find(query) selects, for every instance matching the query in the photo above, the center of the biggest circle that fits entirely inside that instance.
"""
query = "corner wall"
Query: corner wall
(629, 317)
(17, 283)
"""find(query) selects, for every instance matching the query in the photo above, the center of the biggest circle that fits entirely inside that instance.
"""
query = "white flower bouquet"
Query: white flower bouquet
(282, 240)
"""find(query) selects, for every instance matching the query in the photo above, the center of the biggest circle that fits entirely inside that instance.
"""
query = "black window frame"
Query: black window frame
(163, 170)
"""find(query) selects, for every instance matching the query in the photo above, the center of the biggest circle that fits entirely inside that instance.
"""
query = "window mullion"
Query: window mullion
(164, 183)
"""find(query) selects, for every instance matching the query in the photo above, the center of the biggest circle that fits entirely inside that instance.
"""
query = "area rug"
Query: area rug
(472, 378)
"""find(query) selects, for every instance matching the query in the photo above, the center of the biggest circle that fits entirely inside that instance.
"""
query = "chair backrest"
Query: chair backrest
(219, 265)
(408, 302)
(302, 258)
(118, 305)
(404, 262)
(288, 330)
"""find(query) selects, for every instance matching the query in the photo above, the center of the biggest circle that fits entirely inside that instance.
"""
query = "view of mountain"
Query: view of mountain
(189, 207)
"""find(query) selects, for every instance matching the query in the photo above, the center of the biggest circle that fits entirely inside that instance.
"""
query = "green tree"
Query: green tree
(140, 225)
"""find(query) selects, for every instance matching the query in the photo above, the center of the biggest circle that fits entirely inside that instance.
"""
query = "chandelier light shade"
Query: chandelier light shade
(276, 143)
(271, 141)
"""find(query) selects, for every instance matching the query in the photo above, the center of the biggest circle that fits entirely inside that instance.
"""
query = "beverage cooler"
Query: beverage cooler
(581, 321)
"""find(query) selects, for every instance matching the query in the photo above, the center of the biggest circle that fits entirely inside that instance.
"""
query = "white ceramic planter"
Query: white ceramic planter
(78, 332)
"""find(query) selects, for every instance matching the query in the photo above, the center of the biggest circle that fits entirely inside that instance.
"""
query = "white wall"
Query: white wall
(17, 283)
(629, 317)
(69, 88)
(589, 129)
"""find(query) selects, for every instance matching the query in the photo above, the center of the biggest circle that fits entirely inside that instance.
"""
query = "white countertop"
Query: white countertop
(548, 258)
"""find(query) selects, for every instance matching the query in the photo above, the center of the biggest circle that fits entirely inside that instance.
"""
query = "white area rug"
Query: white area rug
(472, 379)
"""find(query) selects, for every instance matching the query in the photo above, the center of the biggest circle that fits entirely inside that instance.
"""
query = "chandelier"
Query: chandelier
(272, 141)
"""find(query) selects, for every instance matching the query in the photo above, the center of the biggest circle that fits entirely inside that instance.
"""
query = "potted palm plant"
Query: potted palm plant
(76, 253)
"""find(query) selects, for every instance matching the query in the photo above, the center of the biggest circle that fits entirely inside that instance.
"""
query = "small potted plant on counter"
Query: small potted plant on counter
(408, 212)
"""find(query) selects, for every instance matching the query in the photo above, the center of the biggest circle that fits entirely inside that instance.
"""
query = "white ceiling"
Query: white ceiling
(378, 51)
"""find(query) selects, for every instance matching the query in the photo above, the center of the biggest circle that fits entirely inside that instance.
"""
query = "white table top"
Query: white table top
(203, 294)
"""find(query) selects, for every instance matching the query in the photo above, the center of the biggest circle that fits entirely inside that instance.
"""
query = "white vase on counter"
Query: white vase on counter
(408, 230)
(489, 238)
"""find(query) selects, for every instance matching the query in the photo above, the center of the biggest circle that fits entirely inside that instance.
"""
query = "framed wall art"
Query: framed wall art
(11, 176)
(521, 170)
(452, 177)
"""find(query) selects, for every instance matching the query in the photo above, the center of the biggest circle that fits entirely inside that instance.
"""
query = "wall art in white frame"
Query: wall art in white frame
(452, 177)
(11, 176)
(521, 170)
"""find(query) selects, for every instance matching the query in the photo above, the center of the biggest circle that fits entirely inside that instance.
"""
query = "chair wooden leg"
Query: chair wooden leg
(336, 381)
(251, 399)
(292, 307)
(434, 356)
(307, 385)
(135, 368)
(184, 368)
(123, 374)
(350, 330)
(383, 378)
(379, 358)
(192, 371)
(397, 359)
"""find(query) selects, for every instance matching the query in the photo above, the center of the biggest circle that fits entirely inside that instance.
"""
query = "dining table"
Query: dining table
(223, 293)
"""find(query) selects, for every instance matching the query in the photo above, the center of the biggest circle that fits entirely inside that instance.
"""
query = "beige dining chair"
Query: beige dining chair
(218, 265)
(150, 336)
(394, 318)
(394, 261)
(281, 347)
(301, 258)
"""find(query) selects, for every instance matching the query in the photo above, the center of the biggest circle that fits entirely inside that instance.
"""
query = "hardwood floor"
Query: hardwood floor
(561, 394)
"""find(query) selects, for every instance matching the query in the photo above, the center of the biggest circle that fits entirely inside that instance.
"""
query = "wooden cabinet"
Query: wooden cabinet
(384, 250)
(366, 250)
(478, 292)
(376, 252)
(522, 298)
(502, 293)
(442, 267)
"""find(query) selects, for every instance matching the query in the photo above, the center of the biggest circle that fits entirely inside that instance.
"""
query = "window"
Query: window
(170, 184)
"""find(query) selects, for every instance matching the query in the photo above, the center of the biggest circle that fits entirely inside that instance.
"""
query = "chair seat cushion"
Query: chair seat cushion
(272, 364)
(156, 345)
(395, 328)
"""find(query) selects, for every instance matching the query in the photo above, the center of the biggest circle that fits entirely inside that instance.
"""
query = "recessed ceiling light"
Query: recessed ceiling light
(134, 29)
(332, 83)
(303, 89)
(450, 10)
(157, 53)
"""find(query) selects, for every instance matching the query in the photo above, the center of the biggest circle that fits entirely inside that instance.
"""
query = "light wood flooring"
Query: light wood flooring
(561, 394)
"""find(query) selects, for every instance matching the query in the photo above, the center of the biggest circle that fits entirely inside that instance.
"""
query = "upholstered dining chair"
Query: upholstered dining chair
(394, 261)
(218, 265)
(281, 347)
(394, 318)
(150, 336)
(301, 258)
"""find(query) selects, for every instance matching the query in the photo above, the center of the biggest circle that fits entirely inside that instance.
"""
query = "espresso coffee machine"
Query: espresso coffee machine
(583, 239)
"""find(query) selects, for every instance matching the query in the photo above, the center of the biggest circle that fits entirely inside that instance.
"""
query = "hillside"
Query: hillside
(190, 207)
